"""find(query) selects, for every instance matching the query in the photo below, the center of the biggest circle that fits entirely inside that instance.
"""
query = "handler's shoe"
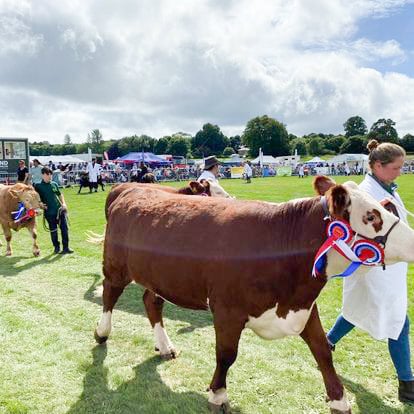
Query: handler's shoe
(66, 251)
(56, 251)
(406, 391)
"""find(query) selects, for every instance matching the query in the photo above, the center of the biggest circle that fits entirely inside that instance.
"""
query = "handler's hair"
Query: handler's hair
(46, 170)
(385, 152)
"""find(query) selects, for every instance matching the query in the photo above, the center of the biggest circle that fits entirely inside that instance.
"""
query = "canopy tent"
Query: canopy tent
(349, 158)
(146, 157)
(56, 159)
(314, 160)
(267, 160)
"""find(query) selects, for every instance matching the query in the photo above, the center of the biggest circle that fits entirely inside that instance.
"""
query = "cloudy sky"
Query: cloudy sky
(160, 66)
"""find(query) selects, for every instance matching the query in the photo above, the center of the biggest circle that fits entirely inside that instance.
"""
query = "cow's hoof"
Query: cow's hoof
(100, 339)
(219, 409)
(170, 355)
(8, 253)
(333, 411)
(36, 253)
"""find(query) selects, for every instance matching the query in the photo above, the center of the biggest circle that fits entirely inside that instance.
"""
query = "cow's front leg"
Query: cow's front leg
(153, 306)
(314, 336)
(33, 233)
(8, 237)
(228, 330)
(111, 294)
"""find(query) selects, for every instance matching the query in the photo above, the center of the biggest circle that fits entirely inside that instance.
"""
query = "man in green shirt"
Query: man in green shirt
(55, 210)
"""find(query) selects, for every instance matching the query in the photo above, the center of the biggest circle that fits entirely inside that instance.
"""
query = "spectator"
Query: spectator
(22, 172)
(36, 172)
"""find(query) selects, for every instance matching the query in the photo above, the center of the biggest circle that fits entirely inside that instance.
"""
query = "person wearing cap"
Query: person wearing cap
(211, 169)
(247, 172)
(22, 173)
(210, 173)
(36, 172)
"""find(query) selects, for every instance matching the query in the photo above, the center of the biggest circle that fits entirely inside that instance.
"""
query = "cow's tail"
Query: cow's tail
(94, 238)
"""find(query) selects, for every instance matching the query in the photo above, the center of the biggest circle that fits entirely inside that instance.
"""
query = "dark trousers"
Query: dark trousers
(54, 222)
(93, 185)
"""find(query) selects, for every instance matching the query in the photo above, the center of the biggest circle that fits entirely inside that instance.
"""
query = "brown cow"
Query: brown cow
(193, 188)
(10, 196)
(249, 262)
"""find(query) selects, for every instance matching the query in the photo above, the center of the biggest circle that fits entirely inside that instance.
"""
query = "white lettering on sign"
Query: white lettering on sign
(4, 164)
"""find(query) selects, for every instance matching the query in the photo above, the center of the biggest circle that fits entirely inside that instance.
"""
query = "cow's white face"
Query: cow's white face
(217, 190)
(368, 218)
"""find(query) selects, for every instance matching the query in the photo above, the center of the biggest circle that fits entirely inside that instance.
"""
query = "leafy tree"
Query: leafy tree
(334, 143)
(178, 145)
(299, 144)
(355, 126)
(67, 139)
(161, 145)
(354, 145)
(228, 151)
(383, 131)
(235, 142)
(209, 141)
(266, 133)
(408, 142)
(113, 151)
(95, 140)
(315, 146)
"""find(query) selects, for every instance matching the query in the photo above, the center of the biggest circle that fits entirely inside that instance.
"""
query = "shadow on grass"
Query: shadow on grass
(145, 393)
(370, 403)
(131, 301)
(8, 264)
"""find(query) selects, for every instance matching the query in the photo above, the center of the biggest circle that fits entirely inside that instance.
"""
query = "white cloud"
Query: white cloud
(156, 67)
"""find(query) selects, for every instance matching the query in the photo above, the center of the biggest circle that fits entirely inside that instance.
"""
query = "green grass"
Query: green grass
(49, 362)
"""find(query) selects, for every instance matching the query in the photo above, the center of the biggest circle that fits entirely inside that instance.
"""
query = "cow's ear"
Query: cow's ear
(339, 202)
(205, 184)
(196, 187)
(16, 193)
(322, 184)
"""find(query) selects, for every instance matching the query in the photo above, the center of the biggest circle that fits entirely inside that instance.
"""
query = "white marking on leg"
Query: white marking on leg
(219, 397)
(340, 405)
(105, 325)
(162, 341)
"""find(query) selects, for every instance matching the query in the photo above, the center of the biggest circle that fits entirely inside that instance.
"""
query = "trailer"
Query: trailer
(12, 150)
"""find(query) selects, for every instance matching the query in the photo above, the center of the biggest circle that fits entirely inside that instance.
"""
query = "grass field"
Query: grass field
(49, 362)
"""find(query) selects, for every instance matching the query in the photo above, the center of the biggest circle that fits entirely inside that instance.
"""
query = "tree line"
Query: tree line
(260, 132)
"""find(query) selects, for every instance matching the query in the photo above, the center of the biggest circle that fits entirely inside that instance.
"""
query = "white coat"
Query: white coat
(248, 171)
(94, 171)
(377, 301)
(207, 175)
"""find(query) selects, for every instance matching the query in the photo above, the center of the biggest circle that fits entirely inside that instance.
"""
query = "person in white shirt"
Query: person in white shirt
(210, 173)
(376, 302)
(94, 170)
(248, 172)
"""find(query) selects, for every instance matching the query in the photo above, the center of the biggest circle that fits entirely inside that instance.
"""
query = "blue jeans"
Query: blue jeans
(399, 349)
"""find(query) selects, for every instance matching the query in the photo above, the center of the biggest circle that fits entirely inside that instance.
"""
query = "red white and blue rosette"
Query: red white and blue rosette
(339, 230)
(369, 252)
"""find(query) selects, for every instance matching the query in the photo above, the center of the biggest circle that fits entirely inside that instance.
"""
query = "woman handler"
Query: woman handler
(377, 301)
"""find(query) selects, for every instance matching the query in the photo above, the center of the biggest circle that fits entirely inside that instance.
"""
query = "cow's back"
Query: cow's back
(183, 247)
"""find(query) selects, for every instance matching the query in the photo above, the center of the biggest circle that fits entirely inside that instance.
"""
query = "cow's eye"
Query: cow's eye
(371, 217)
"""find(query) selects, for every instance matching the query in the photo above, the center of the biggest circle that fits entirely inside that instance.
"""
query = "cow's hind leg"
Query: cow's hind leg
(33, 233)
(228, 330)
(111, 293)
(153, 305)
(8, 237)
(314, 336)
